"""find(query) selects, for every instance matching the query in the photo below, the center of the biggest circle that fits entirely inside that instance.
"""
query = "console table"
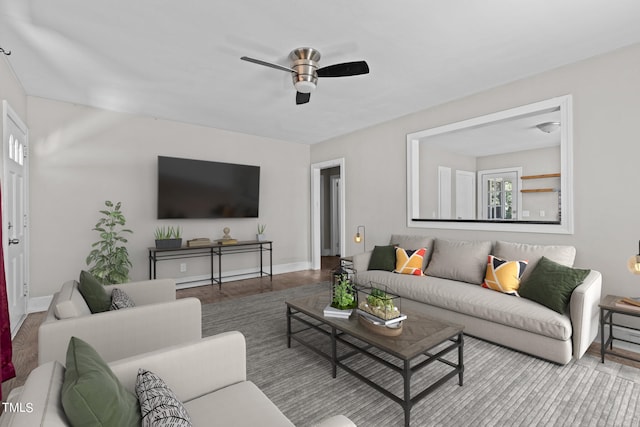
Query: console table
(212, 251)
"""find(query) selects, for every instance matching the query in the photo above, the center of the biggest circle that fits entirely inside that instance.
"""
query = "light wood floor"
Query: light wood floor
(25, 343)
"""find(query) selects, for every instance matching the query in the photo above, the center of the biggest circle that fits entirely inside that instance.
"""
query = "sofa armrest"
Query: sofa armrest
(361, 261)
(193, 369)
(147, 291)
(122, 333)
(584, 312)
(336, 421)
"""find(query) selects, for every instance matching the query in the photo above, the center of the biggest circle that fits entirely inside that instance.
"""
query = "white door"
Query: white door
(14, 215)
(499, 190)
(465, 195)
(335, 215)
(444, 192)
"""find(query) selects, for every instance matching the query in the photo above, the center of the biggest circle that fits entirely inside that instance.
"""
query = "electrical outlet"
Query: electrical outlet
(183, 267)
(525, 214)
(542, 213)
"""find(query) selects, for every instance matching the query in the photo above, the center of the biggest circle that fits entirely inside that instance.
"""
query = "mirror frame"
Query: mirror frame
(565, 226)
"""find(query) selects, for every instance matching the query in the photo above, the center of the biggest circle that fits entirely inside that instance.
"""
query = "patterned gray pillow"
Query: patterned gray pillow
(159, 406)
(120, 299)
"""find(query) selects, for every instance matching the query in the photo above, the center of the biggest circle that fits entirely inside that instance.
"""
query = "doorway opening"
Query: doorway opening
(327, 213)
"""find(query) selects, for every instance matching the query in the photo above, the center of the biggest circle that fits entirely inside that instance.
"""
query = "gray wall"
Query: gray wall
(83, 156)
(606, 100)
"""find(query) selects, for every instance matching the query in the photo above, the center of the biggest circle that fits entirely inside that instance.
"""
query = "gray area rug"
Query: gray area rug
(501, 387)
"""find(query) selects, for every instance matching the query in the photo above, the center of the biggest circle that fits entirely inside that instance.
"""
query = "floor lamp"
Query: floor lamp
(359, 237)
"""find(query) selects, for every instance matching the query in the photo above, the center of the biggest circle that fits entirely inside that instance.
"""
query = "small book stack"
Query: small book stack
(336, 312)
(202, 241)
(629, 303)
(378, 321)
(227, 241)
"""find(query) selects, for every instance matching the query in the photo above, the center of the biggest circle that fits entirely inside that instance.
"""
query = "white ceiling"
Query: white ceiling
(180, 60)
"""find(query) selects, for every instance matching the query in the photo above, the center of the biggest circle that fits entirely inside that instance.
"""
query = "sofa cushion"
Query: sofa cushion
(94, 293)
(411, 241)
(461, 260)
(120, 299)
(551, 284)
(409, 261)
(519, 313)
(564, 255)
(69, 302)
(159, 406)
(383, 258)
(240, 405)
(503, 276)
(91, 393)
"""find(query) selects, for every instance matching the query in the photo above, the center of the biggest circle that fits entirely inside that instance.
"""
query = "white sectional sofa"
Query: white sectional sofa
(208, 376)
(158, 320)
(508, 320)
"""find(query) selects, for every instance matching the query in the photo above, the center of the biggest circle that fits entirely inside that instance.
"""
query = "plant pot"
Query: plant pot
(169, 244)
(261, 237)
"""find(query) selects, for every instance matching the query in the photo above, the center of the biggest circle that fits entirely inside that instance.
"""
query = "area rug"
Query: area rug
(501, 387)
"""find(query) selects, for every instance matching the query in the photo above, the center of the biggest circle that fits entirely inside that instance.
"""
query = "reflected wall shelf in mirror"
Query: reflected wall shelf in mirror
(540, 190)
(470, 175)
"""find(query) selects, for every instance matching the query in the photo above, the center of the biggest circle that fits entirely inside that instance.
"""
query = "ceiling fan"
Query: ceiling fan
(305, 72)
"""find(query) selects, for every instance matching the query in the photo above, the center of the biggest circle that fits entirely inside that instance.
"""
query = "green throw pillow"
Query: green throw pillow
(91, 394)
(383, 258)
(93, 293)
(551, 284)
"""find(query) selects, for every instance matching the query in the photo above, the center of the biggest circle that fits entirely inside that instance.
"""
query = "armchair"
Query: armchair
(158, 320)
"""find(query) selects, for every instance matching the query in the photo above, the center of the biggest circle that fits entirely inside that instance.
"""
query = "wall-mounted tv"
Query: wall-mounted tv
(203, 189)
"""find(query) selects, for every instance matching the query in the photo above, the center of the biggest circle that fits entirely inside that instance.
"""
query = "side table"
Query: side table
(608, 308)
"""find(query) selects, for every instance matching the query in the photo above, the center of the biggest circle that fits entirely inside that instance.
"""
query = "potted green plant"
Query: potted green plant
(109, 260)
(343, 295)
(261, 236)
(168, 237)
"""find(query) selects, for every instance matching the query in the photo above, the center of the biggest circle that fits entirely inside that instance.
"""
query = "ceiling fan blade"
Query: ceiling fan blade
(344, 69)
(302, 98)
(267, 64)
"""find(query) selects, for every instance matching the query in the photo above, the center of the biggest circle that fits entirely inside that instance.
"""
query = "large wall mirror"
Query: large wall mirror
(506, 171)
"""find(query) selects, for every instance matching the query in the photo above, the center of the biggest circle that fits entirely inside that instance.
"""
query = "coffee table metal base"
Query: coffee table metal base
(406, 370)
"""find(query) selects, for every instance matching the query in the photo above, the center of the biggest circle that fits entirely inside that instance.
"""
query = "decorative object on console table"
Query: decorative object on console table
(201, 241)
(634, 262)
(261, 237)
(360, 237)
(168, 237)
(629, 303)
(226, 237)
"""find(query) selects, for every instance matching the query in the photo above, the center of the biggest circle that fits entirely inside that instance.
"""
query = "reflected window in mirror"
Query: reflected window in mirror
(506, 171)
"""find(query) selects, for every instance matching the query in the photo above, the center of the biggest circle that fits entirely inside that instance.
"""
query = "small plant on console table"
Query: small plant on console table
(168, 237)
(261, 236)
(109, 260)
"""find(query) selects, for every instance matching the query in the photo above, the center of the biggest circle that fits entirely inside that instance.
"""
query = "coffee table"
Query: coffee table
(420, 335)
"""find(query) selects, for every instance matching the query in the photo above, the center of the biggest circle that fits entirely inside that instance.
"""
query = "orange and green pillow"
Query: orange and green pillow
(504, 276)
(410, 261)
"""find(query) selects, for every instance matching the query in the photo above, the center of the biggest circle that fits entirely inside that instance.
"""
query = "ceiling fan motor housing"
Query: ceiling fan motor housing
(305, 66)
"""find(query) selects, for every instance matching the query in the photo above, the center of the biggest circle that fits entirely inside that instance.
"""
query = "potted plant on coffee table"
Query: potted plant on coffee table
(168, 237)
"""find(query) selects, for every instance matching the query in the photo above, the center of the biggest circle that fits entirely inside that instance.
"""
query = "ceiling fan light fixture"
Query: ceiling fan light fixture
(304, 86)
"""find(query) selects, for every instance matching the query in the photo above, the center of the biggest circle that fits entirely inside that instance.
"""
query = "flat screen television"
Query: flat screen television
(203, 189)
